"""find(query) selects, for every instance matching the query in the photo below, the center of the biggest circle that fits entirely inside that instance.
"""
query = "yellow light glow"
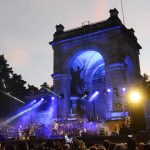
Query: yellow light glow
(135, 97)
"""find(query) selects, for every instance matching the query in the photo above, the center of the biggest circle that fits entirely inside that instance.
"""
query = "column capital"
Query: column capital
(60, 76)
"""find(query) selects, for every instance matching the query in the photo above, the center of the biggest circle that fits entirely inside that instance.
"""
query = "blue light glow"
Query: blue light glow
(51, 111)
(130, 70)
(53, 98)
(23, 112)
(118, 114)
(34, 101)
(94, 96)
(74, 97)
(92, 64)
(90, 60)
(42, 99)
(27, 105)
(124, 89)
(108, 90)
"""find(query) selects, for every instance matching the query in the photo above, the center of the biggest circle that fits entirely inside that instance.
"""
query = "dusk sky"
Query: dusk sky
(27, 26)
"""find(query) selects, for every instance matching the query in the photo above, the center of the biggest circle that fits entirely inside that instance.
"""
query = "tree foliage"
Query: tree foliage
(12, 84)
(146, 85)
(5, 73)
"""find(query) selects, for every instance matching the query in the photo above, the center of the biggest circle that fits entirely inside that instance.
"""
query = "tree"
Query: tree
(13, 84)
(44, 86)
(146, 85)
(17, 86)
(31, 93)
(10, 84)
(138, 111)
(5, 73)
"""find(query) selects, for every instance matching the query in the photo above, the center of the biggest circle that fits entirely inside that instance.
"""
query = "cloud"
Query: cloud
(101, 11)
(15, 53)
(18, 57)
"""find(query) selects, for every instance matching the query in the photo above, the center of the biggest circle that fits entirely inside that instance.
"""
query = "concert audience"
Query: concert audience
(57, 144)
(63, 135)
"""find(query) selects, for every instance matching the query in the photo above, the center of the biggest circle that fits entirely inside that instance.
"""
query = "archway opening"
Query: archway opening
(87, 76)
(87, 71)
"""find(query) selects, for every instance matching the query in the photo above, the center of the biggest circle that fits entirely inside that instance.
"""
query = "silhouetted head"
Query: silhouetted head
(22, 146)
(131, 143)
(106, 144)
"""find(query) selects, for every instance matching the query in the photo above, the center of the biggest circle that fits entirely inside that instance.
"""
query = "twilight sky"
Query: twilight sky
(27, 26)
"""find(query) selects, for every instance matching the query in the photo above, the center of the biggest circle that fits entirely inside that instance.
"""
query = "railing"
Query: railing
(95, 23)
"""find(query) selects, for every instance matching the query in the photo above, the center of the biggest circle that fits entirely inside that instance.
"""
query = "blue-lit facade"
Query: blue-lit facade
(94, 66)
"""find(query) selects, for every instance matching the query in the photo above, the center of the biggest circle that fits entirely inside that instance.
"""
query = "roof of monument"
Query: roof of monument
(112, 22)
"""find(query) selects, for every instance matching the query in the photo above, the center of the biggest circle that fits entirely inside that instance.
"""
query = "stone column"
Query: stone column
(62, 88)
(115, 80)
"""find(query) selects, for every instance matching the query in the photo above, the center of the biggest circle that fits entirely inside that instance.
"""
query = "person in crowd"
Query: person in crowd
(106, 144)
(119, 147)
(133, 144)
(55, 128)
(93, 148)
(10, 147)
(20, 132)
(101, 147)
(22, 145)
(66, 147)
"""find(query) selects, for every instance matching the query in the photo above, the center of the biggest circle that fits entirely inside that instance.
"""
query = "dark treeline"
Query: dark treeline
(14, 85)
(146, 86)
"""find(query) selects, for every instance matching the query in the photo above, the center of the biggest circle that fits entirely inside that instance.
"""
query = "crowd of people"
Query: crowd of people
(75, 144)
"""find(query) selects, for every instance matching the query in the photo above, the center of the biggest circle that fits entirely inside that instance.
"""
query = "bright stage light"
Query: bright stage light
(34, 101)
(93, 96)
(53, 98)
(42, 99)
(135, 97)
(31, 103)
(28, 105)
(85, 94)
(108, 90)
(96, 93)
(124, 89)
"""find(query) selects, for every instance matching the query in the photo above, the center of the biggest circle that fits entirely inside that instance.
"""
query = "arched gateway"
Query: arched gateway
(94, 66)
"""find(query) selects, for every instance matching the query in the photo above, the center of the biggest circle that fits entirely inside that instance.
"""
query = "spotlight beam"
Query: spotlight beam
(7, 94)
(22, 113)
(7, 125)
(52, 92)
(93, 96)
